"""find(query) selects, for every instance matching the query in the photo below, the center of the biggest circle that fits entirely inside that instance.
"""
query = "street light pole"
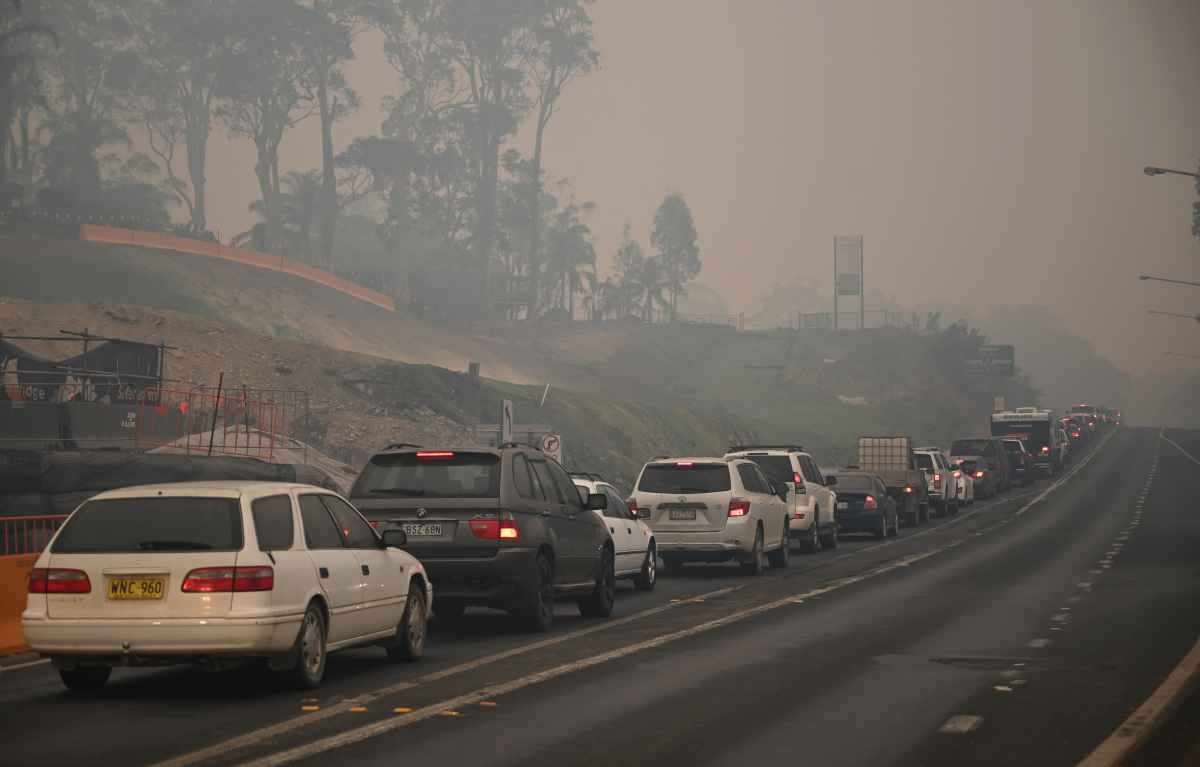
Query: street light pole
(1168, 279)
(1151, 170)
(1195, 317)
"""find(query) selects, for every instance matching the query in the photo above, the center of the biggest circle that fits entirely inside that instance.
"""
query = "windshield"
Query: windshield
(685, 480)
(129, 525)
(923, 461)
(854, 483)
(969, 446)
(440, 475)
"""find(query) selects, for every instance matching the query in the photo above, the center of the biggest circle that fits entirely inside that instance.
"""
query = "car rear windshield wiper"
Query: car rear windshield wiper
(173, 546)
(409, 491)
(686, 490)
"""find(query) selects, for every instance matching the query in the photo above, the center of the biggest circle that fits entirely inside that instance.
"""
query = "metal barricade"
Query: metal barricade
(27, 535)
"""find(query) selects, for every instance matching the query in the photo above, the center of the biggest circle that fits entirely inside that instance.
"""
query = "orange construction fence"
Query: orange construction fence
(21, 540)
(143, 239)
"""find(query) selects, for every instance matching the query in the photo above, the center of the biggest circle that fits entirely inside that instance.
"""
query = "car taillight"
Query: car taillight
(58, 580)
(979, 475)
(908, 488)
(1045, 448)
(937, 481)
(957, 473)
(219, 580)
(434, 455)
(870, 503)
(495, 529)
(739, 508)
(631, 503)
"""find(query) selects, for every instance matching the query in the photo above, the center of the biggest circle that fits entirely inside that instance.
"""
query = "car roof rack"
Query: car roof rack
(401, 445)
(743, 448)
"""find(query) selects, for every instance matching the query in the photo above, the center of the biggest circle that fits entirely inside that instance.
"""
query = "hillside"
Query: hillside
(619, 390)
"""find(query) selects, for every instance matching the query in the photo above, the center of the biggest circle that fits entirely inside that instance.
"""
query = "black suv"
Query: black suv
(494, 527)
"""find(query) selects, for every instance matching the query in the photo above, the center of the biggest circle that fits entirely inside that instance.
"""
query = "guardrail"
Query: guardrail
(115, 236)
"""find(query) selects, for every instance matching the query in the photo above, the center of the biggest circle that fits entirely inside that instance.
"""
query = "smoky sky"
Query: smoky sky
(990, 153)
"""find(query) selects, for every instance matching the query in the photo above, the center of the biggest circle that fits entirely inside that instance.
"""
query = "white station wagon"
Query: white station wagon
(209, 572)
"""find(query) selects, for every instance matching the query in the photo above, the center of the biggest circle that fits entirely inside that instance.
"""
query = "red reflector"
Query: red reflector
(221, 580)
(434, 455)
(739, 508)
(870, 503)
(58, 580)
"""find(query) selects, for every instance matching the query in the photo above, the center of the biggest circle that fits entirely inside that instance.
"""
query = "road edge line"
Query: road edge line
(1150, 715)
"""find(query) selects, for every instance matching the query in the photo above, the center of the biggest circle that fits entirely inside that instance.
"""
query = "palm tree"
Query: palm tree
(299, 203)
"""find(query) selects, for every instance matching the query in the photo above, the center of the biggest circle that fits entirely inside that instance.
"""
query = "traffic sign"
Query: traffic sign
(552, 446)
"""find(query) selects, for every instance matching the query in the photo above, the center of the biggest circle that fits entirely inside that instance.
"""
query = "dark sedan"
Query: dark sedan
(864, 505)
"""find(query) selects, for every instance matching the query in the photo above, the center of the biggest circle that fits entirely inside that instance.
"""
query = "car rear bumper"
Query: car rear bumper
(161, 637)
(859, 522)
(712, 547)
(499, 581)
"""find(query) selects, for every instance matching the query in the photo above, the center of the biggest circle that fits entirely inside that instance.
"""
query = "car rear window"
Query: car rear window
(852, 483)
(923, 461)
(122, 525)
(778, 468)
(431, 475)
(689, 479)
(969, 446)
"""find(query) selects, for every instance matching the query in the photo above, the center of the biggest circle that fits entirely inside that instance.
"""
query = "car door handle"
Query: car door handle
(366, 570)
(323, 571)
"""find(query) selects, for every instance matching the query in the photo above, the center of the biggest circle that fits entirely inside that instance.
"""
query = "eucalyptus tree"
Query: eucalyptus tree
(674, 237)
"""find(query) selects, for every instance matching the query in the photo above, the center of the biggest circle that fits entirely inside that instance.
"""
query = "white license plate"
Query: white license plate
(843, 505)
(420, 529)
(682, 514)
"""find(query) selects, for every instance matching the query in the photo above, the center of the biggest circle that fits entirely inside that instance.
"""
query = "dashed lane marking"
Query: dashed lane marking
(1039, 642)
(961, 724)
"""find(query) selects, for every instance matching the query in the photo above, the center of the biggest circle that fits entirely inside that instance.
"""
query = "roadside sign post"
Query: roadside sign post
(552, 446)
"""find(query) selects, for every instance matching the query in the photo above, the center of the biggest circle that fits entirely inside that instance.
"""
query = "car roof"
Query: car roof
(692, 459)
(400, 449)
(208, 489)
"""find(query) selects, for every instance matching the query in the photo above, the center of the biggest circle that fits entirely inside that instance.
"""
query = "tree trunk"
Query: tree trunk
(535, 212)
(197, 151)
(328, 204)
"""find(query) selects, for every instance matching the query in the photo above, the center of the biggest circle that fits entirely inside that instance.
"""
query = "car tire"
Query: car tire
(896, 526)
(830, 541)
(882, 532)
(645, 580)
(813, 544)
(410, 634)
(310, 651)
(88, 679)
(539, 607)
(781, 556)
(755, 565)
(449, 609)
(599, 604)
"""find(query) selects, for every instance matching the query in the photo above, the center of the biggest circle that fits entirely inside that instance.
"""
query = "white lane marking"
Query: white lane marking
(280, 728)
(1189, 456)
(1002, 688)
(1039, 642)
(1147, 717)
(376, 729)
(19, 666)
(961, 724)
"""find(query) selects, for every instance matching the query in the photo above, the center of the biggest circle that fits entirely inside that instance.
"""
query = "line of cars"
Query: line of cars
(218, 572)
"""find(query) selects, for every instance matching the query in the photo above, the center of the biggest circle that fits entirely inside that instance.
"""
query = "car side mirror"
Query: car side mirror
(395, 538)
(597, 502)
(831, 480)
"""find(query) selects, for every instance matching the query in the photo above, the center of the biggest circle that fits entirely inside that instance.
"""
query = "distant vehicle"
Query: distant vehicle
(1071, 428)
(943, 491)
(1020, 461)
(633, 541)
(864, 505)
(964, 486)
(495, 527)
(891, 459)
(987, 462)
(1064, 444)
(209, 572)
(1088, 413)
(714, 510)
(812, 518)
(1036, 430)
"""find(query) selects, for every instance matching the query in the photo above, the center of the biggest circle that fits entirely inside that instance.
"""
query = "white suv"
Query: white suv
(633, 541)
(939, 476)
(812, 512)
(211, 572)
(713, 510)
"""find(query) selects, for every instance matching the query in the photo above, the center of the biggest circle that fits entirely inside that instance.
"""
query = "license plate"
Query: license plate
(843, 505)
(683, 514)
(137, 588)
(417, 529)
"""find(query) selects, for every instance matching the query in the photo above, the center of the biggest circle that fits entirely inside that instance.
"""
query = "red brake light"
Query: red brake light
(432, 455)
(685, 464)
(937, 480)
(58, 580)
(870, 503)
(631, 504)
(908, 488)
(979, 475)
(1045, 448)
(957, 473)
(739, 508)
(219, 580)
(492, 529)
(799, 480)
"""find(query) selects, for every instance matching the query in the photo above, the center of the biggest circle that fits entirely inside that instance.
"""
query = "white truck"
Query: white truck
(1038, 430)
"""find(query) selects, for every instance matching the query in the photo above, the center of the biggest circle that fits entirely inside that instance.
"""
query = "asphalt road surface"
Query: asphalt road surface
(1022, 631)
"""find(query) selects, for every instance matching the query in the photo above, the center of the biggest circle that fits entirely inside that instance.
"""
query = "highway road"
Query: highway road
(1023, 631)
